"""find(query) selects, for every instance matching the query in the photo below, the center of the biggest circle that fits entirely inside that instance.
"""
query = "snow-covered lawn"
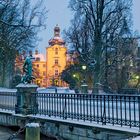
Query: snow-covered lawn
(2, 89)
(43, 90)
(55, 90)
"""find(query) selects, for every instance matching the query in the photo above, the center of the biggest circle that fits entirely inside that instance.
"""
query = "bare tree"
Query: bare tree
(20, 21)
(95, 32)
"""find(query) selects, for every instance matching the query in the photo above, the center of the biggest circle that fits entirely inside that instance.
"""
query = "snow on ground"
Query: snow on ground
(7, 89)
(136, 138)
(88, 123)
(32, 125)
(56, 90)
(43, 90)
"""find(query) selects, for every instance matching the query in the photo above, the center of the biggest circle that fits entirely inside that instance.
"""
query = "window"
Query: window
(37, 65)
(56, 82)
(44, 73)
(44, 81)
(56, 51)
(37, 59)
(56, 61)
(44, 65)
(56, 72)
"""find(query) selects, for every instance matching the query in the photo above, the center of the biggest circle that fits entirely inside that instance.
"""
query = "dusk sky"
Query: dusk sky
(59, 13)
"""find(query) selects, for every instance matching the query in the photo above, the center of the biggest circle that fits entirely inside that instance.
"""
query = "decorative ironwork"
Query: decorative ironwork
(119, 109)
(123, 110)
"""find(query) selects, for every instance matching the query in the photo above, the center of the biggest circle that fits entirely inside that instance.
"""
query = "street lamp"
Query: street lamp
(74, 75)
(84, 86)
(84, 67)
(137, 77)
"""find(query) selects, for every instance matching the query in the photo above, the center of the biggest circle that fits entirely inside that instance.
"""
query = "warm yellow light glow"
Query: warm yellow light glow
(137, 77)
(74, 75)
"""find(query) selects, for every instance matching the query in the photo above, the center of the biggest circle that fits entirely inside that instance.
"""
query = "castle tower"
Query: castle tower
(55, 59)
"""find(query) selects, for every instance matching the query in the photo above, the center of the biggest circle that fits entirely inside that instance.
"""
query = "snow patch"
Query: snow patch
(2, 89)
(26, 85)
(136, 138)
(32, 125)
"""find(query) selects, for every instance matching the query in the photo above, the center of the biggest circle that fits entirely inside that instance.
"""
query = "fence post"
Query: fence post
(84, 88)
(104, 110)
(26, 101)
(32, 131)
(139, 111)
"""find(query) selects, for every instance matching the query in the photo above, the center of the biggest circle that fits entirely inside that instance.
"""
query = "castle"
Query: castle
(48, 71)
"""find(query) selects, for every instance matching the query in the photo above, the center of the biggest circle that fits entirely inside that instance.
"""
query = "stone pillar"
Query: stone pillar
(84, 88)
(26, 99)
(32, 131)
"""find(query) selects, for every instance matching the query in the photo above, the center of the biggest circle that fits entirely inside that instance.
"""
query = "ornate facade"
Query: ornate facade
(48, 71)
(56, 59)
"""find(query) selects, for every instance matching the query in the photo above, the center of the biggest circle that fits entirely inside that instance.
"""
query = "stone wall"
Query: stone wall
(72, 132)
(62, 130)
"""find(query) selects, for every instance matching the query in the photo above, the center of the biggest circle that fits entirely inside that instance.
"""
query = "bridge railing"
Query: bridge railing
(123, 110)
(7, 100)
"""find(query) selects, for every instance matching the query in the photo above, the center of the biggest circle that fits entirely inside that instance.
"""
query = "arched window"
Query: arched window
(56, 61)
(56, 73)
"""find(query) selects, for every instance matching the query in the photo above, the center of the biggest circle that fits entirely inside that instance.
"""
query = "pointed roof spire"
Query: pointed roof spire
(56, 39)
(56, 31)
(36, 52)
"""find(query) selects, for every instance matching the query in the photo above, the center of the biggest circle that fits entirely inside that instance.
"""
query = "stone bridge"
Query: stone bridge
(72, 116)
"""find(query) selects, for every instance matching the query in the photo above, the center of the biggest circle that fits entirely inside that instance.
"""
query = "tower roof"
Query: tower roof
(56, 31)
(56, 39)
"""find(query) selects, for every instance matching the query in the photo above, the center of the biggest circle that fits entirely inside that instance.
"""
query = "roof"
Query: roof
(39, 57)
(56, 39)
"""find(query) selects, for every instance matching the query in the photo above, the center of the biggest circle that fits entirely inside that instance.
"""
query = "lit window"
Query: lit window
(44, 81)
(56, 51)
(56, 61)
(44, 73)
(56, 72)
(56, 82)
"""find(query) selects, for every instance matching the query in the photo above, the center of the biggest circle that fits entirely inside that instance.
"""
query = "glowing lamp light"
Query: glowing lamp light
(74, 75)
(137, 77)
(84, 67)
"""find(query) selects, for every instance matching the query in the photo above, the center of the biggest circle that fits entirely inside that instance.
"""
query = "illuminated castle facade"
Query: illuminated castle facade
(56, 59)
(48, 71)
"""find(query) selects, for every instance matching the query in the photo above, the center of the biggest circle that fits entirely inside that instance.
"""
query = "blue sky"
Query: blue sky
(136, 15)
(59, 13)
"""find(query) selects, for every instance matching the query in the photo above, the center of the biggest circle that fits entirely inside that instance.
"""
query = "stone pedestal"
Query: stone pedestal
(26, 99)
(32, 131)
(84, 88)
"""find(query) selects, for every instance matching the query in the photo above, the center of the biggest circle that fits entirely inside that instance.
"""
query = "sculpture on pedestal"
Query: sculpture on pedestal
(27, 69)
(26, 91)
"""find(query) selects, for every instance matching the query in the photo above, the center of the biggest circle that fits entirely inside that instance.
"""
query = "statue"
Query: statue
(27, 69)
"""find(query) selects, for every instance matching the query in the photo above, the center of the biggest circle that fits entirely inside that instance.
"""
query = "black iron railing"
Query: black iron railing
(7, 100)
(123, 110)
(105, 109)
